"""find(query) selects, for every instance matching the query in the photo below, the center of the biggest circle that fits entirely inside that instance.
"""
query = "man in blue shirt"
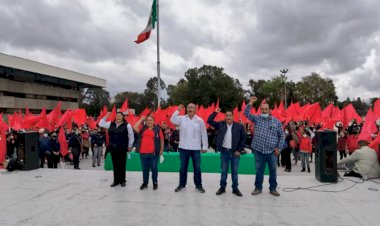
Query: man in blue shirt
(267, 143)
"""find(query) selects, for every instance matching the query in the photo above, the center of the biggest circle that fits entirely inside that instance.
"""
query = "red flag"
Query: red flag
(91, 123)
(369, 127)
(348, 114)
(112, 116)
(43, 123)
(243, 106)
(80, 116)
(3, 142)
(15, 121)
(145, 112)
(27, 111)
(327, 112)
(236, 115)
(124, 107)
(315, 114)
(65, 119)
(103, 113)
(62, 142)
(375, 146)
(376, 109)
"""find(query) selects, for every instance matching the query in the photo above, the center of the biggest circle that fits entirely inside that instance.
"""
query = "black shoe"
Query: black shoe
(221, 191)
(114, 184)
(143, 186)
(122, 184)
(308, 169)
(200, 189)
(237, 192)
(98, 164)
(303, 170)
(93, 165)
(179, 188)
(155, 186)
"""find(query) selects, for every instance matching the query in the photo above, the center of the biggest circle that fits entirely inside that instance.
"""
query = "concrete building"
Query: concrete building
(25, 83)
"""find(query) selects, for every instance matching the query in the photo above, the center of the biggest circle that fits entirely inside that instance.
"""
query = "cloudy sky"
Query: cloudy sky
(250, 39)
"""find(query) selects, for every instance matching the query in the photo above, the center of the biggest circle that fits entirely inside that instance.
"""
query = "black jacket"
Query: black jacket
(54, 145)
(238, 133)
(118, 137)
(98, 139)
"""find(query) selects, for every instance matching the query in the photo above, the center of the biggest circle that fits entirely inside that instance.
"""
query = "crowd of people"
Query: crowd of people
(272, 142)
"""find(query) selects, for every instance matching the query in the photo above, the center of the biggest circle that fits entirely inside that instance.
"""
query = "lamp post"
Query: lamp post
(284, 71)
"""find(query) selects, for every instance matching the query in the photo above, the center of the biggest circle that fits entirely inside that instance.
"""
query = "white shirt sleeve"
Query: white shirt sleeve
(175, 119)
(204, 136)
(131, 136)
(104, 124)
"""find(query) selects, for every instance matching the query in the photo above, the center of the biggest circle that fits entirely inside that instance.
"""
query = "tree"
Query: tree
(313, 88)
(272, 90)
(135, 100)
(150, 93)
(206, 85)
(93, 100)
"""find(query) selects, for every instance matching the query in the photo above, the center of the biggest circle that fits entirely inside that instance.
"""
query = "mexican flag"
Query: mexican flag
(144, 35)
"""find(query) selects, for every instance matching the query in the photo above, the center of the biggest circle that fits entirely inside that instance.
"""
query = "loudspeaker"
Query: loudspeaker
(326, 156)
(28, 150)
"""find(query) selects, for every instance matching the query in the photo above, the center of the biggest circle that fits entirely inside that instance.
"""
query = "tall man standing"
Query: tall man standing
(192, 141)
(230, 143)
(267, 143)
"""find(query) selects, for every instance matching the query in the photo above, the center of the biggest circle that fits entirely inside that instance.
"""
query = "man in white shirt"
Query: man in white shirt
(192, 141)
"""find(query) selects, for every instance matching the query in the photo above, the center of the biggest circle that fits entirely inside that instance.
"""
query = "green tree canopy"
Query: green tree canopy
(204, 86)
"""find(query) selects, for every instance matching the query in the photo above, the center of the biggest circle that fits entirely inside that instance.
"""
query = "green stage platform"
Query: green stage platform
(210, 163)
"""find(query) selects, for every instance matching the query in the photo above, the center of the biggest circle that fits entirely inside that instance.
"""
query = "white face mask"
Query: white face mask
(305, 135)
(286, 132)
(265, 115)
(45, 135)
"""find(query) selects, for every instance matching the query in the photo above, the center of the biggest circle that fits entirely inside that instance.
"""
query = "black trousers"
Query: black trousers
(119, 161)
(285, 156)
(53, 161)
(342, 154)
(76, 156)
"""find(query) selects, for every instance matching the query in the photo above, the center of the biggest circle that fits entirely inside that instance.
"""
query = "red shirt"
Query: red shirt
(147, 141)
(352, 143)
(305, 144)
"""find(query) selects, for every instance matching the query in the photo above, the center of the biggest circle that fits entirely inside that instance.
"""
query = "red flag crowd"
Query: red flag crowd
(309, 116)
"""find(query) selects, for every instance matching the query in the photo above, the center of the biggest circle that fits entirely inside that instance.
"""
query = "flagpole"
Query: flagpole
(158, 58)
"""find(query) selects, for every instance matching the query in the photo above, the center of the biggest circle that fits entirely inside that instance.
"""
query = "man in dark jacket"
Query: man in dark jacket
(44, 147)
(55, 148)
(230, 142)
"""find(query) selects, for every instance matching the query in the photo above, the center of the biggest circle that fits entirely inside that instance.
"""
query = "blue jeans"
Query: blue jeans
(261, 160)
(149, 162)
(225, 157)
(305, 159)
(184, 156)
